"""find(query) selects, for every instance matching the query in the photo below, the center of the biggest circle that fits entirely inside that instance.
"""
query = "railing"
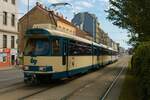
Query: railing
(52, 27)
(46, 26)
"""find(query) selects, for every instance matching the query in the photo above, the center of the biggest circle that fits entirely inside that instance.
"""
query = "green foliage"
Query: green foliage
(141, 69)
(133, 15)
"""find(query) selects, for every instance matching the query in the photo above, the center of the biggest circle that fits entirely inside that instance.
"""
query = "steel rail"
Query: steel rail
(65, 97)
(89, 82)
(112, 84)
(32, 94)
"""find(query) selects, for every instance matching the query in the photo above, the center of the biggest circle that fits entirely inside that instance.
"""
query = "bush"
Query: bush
(141, 69)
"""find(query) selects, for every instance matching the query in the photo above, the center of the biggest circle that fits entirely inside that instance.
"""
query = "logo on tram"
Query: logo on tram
(33, 61)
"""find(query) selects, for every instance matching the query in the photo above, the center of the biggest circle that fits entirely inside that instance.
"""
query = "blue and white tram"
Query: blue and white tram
(53, 55)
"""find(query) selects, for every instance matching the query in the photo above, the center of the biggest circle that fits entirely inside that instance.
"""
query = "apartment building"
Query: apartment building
(8, 32)
(89, 23)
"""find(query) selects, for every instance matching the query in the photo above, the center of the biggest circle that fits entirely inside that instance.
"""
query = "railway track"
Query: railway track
(34, 93)
(68, 97)
(108, 90)
(53, 84)
(22, 91)
(29, 92)
(10, 78)
(11, 87)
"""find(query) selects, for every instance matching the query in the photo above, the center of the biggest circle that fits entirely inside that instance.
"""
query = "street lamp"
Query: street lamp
(28, 15)
(54, 5)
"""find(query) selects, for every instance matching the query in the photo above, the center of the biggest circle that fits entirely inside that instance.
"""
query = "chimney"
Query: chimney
(40, 5)
(57, 13)
(62, 16)
(49, 9)
(37, 3)
(46, 8)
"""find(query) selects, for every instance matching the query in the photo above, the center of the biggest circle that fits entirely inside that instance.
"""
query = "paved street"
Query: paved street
(9, 77)
(91, 86)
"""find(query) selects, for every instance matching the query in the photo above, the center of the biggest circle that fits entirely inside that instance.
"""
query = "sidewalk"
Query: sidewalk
(5, 68)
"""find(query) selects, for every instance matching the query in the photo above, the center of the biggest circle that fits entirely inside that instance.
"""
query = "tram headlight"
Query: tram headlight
(42, 68)
(45, 68)
(26, 68)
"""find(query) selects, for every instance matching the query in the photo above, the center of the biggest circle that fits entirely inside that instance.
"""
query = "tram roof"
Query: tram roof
(63, 34)
(49, 32)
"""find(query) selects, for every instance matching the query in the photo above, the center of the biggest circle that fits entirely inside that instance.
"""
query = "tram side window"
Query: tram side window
(79, 48)
(99, 51)
(110, 52)
(55, 47)
(88, 50)
(105, 52)
(72, 48)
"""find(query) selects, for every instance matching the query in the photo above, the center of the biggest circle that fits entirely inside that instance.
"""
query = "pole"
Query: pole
(28, 15)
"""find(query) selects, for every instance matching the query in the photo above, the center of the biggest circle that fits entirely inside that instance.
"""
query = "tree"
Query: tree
(133, 15)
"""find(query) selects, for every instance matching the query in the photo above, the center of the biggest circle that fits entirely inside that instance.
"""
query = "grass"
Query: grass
(129, 88)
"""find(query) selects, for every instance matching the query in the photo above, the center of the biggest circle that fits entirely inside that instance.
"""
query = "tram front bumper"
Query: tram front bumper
(32, 76)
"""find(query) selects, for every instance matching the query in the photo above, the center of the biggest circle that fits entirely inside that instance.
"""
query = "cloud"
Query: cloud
(103, 0)
(31, 2)
(58, 1)
(84, 4)
(53, 1)
(79, 6)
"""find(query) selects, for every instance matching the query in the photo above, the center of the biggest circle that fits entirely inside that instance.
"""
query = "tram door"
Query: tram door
(65, 54)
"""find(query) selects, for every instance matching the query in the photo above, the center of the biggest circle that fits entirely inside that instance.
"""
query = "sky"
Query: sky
(96, 7)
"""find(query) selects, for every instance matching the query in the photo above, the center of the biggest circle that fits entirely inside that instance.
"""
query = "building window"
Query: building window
(12, 42)
(5, 0)
(13, 20)
(4, 41)
(13, 2)
(5, 18)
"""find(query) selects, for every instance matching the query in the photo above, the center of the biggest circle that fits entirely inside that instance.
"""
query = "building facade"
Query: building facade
(8, 32)
(89, 23)
(86, 22)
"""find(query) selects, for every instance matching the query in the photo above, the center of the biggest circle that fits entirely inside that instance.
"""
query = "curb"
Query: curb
(6, 68)
(10, 68)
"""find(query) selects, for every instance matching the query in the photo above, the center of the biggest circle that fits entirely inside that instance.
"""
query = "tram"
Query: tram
(51, 54)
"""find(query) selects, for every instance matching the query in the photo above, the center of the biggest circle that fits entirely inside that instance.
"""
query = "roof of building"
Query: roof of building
(47, 12)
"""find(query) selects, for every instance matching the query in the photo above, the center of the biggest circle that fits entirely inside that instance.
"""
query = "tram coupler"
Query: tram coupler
(30, 78)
